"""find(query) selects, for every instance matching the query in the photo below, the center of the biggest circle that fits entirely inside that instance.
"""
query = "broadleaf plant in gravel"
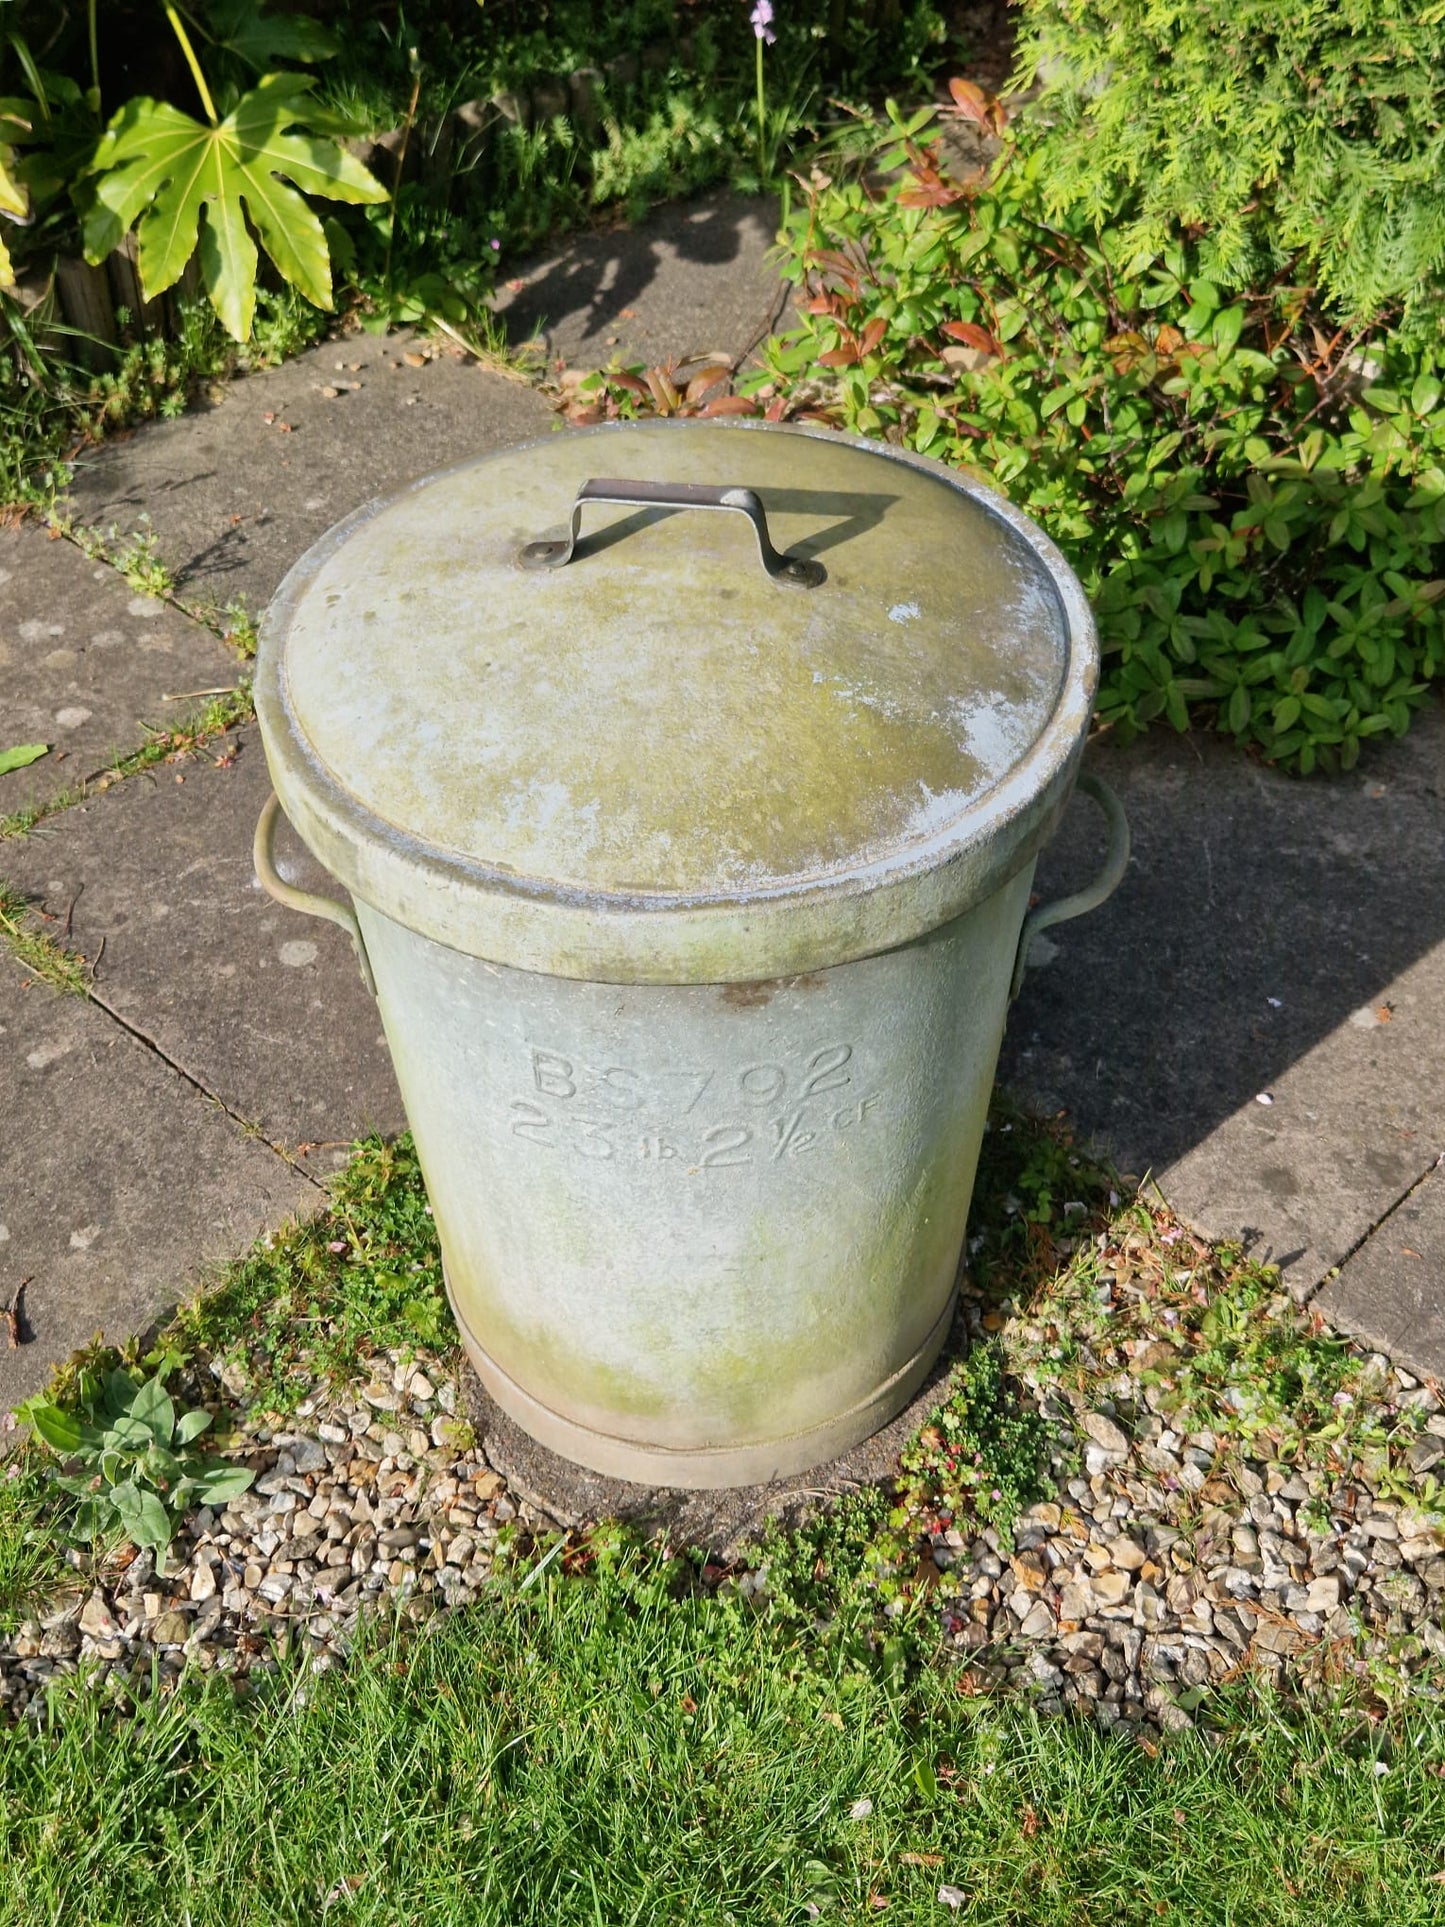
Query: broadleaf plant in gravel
(126, 1450)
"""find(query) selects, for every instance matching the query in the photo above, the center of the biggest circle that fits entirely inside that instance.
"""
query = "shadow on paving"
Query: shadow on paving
(690, 280)
(1273, 937)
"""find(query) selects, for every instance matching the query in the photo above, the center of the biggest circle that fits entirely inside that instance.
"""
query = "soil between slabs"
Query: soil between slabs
(1148, 1579)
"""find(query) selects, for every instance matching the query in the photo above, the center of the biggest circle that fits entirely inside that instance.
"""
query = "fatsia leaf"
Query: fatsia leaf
(162, 171)
(261, 39)
(14, 196)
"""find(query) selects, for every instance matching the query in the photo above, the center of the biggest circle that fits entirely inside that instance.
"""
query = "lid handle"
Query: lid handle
(796, 571)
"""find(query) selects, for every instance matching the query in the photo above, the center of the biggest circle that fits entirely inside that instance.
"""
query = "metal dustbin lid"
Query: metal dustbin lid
(655, 761)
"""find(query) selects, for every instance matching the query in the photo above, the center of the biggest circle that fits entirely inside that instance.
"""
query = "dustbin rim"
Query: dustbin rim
(608, 936)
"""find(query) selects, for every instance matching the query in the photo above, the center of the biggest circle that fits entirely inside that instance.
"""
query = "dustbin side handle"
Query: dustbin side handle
(303, 900)
(793, 571)
(1062, 909)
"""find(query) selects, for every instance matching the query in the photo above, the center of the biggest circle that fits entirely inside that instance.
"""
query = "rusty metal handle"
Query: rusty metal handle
(794, 571)
(305, 901)
(1062, 909)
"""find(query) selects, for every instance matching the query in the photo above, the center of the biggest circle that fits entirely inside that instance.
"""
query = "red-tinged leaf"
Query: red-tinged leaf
(838, 264)
(702, 384)
(663, 392)
(972, 336)
(730, 405)
(844, 357)
(970, 100)
(585, 417)
(825, 417)
(820, 304)
(872, 335)
(940, 195)
(1126, 350)
(632, 384)
(1168, 340)
(777, 410)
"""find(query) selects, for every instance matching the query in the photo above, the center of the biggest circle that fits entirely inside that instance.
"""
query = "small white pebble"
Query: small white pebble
(1263, 1097)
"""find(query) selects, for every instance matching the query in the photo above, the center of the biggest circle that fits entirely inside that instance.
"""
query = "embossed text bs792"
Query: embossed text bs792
(698, 1117)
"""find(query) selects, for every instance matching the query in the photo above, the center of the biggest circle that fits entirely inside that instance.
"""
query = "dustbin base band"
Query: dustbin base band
(705, 1468)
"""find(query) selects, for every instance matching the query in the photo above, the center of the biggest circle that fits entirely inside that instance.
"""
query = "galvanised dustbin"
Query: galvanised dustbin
(690, 855)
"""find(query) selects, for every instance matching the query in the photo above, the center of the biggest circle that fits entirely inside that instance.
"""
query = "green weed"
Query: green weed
(40, 954)
(127, 1450)
(324, 1296)
(216, 719)
(32, 1553)
(135, 556)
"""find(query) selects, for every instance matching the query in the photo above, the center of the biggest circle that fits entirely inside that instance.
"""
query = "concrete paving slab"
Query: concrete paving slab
(1274, 939)
(237, 491)
(86, 663)
(1349, 1127)
(1391, 1293)
(262, 1007)
(690, 280)
(120, 1183)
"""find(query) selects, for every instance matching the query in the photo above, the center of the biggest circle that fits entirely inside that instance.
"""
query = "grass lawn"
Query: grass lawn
(592, 1748)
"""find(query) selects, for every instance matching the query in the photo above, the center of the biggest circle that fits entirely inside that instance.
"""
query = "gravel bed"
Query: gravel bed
(1165, 1565)
(1171, 1561)
(378, 1497)
(1122, 1601)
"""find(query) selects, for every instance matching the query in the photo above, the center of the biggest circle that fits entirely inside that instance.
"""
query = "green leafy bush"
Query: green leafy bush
(1314, 128)
(1253, 503)
(130, 1466)
(189, 186)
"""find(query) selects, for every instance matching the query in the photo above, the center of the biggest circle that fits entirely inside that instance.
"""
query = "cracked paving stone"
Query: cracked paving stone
(117, 1179)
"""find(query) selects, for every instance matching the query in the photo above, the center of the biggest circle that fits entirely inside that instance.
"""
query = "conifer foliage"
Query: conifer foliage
(1266, 129)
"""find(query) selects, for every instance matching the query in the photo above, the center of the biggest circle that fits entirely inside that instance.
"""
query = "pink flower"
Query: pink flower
(762, 21)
